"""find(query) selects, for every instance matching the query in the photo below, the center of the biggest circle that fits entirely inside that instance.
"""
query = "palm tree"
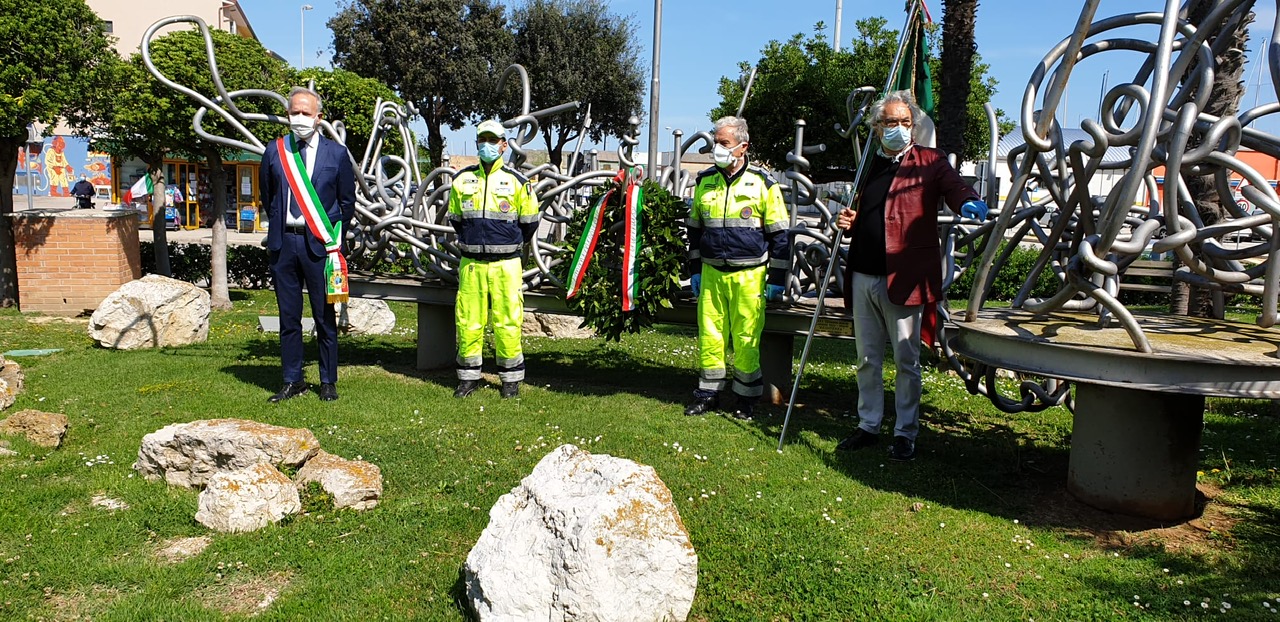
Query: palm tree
(958, 49)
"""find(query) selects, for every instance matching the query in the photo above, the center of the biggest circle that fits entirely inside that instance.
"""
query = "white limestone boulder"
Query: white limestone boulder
(41, 428)
(247, 499)
(152, 312)
(11, 379)
(366, 317)
(583, 537)
(354, 484)
(555, 325)
(188, 454)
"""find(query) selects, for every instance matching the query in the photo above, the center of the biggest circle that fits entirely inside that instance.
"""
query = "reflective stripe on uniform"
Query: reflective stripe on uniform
(737, 263)
(489, 249)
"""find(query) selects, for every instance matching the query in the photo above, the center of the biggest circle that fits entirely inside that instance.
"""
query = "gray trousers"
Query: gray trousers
(877, 322)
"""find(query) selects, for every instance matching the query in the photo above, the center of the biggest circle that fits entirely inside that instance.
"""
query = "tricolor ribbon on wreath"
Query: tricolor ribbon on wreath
(633, 206)
(329, 233)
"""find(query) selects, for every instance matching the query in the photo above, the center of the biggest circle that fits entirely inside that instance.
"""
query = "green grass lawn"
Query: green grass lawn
(979, 527)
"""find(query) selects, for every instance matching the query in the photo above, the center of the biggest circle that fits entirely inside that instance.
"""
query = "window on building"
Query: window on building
(107, 26)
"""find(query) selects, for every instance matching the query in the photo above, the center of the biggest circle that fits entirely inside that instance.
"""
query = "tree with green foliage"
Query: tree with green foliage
(443, 56)
(350, 98)
(133, 124)
(51, 67)
(243, 64)
(804, 78)
(575, 50)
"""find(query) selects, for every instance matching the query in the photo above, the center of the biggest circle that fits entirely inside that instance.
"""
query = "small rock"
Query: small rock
(354, 484)
(181, 549)
(104, 501)
(366, 317)
(41, 428)
(555, 325)
(247, 499)
(917, 506)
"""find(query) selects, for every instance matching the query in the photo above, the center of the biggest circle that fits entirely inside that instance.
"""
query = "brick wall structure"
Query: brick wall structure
(70, 260)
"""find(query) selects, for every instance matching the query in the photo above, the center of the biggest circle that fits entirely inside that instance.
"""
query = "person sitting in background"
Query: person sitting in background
(83, 192)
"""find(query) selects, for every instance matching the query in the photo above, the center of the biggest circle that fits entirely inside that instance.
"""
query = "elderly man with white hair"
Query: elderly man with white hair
(895, 264)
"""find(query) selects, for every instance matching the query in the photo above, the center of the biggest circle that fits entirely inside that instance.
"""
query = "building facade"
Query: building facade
(54, 166)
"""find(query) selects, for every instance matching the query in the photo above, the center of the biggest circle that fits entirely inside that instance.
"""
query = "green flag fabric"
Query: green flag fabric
(913, 71)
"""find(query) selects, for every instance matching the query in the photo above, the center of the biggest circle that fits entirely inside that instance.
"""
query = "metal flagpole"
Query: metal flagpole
(912, 11)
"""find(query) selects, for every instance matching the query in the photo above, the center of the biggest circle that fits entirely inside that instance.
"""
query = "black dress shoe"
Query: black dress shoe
(466, 387)
(702, 406)
(903, 450)
(289, 391)
(859, 439)
(328, 392)
(510, 390)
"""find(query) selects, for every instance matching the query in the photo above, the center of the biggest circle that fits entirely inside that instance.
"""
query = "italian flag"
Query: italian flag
(140, 189)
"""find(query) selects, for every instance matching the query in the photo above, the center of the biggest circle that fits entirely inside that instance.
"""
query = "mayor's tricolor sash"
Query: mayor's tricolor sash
(633, 207)
(330, 234)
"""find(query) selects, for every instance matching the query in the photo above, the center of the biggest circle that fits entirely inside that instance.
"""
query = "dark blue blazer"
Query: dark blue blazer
(335, 183)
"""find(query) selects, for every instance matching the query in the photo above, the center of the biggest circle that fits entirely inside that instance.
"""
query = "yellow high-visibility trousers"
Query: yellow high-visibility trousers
(489, 294)
(731, 313)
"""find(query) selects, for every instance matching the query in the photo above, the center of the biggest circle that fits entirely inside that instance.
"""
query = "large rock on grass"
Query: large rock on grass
(41, 428)
(188, 454)
(556, 326)
(366, 317)
(247, 499)
(353, 484)
(583, 537)
(152, 312)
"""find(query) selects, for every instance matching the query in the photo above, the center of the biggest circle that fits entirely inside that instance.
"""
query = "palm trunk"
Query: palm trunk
(958, 48)
(1224, 100)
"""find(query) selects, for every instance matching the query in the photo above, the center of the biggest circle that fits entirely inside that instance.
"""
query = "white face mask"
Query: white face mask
(302, 125)
(723, 156)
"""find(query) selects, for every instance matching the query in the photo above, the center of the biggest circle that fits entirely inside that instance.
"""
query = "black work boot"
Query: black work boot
(744, 408)
(510, 390)
(702, 406)
(465, 388)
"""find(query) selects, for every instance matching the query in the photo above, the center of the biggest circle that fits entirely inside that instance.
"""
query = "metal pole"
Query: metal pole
(302, 36)
(653, 91)
(835, 43)
(27, 164)
(835, 247)
(1103, 93)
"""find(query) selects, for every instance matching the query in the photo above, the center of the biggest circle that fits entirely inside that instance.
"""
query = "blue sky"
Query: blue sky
(703, 40)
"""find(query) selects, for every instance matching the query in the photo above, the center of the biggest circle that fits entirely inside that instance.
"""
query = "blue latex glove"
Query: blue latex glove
(976, 210)
(695, 282)
(773, 292)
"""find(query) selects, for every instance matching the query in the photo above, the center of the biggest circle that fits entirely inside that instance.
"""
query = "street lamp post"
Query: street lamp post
(302, 36)
(653, 93)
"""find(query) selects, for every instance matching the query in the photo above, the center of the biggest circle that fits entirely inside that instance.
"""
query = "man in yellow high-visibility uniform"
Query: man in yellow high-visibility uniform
(737, 234)
(493, 209)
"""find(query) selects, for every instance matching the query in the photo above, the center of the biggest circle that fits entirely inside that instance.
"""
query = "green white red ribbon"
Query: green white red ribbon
(633, 207)
(330, 234)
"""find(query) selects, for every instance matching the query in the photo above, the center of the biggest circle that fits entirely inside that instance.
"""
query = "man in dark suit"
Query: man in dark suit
(305, 229)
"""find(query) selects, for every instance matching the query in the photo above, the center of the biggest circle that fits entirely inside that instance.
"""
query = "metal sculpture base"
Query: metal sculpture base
(1135, 452)
(1136, 435)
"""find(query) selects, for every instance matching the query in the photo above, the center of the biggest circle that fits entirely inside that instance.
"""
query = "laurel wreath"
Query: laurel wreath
(658, 266)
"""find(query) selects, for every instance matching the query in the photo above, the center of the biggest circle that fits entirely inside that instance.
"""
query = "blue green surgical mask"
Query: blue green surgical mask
(488, 152)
